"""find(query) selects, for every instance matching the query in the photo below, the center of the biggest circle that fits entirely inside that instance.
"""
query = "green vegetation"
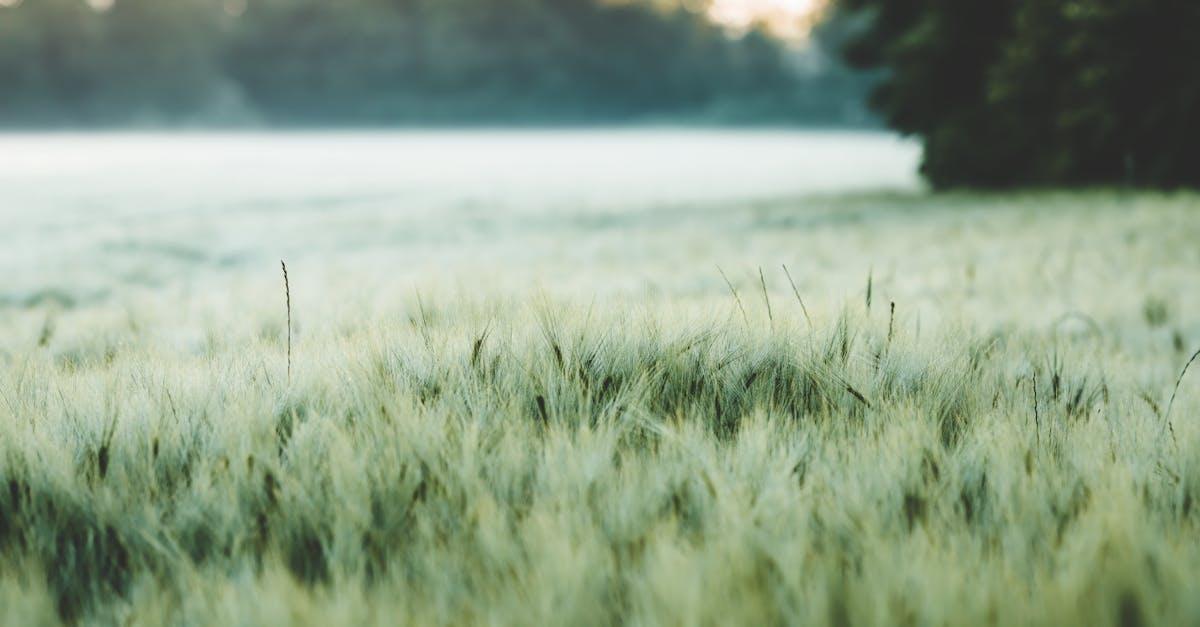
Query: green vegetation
(994, 448)
(378, 62)
(1039, 92)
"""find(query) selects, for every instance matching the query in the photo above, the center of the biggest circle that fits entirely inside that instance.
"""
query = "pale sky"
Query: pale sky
(791, 19)
(788, 18)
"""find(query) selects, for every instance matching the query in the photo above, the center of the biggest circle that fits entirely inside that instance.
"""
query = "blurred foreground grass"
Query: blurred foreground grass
(568, 418)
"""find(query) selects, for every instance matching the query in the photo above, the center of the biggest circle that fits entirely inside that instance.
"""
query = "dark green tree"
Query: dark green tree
(1106, 89)
(937, 55)
(1039, 92)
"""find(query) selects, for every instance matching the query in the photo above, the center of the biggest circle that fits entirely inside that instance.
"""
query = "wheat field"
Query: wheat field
(947, 410)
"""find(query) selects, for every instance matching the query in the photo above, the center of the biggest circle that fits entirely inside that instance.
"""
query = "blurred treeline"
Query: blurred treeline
(1040, 92)
(376, 62)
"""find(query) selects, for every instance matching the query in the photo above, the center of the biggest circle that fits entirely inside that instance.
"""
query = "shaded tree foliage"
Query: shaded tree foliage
(303, 62)
(1039, 92)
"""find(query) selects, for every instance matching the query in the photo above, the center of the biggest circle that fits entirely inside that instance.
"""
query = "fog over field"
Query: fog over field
(165, 209)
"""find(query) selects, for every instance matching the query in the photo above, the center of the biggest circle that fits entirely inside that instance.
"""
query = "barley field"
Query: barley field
(586, 378)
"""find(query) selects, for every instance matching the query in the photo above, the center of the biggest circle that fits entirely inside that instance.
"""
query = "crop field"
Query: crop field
(585, 378)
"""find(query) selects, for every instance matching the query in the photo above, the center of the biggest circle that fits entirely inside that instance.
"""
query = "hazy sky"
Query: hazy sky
(789, 18)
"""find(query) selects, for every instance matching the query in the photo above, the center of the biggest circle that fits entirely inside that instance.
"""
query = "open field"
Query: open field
(529, 386)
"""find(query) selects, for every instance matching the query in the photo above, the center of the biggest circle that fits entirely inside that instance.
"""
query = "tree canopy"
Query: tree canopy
(310, 62)
(1039, 92)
